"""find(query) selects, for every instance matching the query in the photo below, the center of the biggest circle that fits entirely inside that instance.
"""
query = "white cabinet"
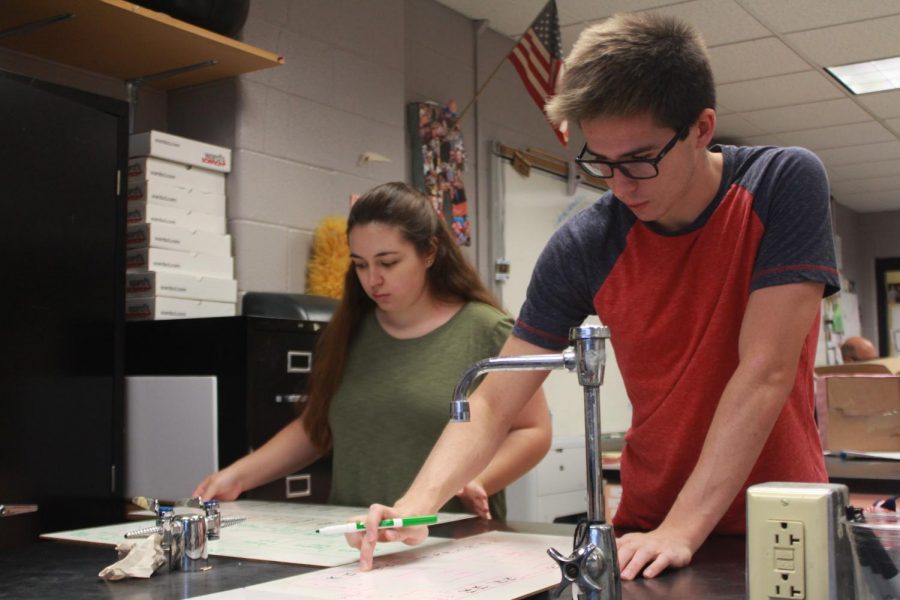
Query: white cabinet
(555, 487)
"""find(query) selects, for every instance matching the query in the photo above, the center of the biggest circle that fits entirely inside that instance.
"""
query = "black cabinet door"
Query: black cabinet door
(62, 157)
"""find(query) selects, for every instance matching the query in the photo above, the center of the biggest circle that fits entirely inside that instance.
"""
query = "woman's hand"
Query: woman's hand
(222, 485)
(475, 499)
(367, 540)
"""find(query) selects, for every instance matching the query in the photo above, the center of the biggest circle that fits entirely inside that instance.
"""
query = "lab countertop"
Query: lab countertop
(865, 476)
(51, 569)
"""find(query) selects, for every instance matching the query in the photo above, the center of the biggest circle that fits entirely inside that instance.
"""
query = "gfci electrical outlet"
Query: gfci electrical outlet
(788, 565)
(797, 544)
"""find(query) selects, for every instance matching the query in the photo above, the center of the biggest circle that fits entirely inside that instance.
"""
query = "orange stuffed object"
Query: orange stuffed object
(330, 259)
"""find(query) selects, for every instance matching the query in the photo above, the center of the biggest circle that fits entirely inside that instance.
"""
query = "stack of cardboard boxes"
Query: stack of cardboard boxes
(179, 257)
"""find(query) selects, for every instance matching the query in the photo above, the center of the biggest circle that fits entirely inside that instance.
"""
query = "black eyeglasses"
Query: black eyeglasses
(637, 168)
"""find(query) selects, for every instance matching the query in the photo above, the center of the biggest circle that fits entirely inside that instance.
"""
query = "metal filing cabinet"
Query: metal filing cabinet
(262, 366)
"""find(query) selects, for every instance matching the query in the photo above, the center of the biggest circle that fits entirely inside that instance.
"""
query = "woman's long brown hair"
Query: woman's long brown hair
(451, 278)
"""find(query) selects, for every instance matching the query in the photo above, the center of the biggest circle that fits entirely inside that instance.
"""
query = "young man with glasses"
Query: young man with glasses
(708, 264)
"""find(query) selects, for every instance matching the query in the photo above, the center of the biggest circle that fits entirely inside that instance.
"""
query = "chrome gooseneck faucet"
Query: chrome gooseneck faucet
(593, 566)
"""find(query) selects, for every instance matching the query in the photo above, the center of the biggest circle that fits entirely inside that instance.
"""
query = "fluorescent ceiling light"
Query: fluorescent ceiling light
(868, 77)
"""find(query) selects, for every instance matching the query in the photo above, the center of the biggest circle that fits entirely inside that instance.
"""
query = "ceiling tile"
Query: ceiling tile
(766, 139)
(852, 155)
(735, 127)
(884, 105)
(875, 184)
(781, 90)
(883, 168)
(754, 60)
(868, 202)
(850, 43)
(807, 116)
(795, 15)
(592, 10)
(718, 21)
(835, 137)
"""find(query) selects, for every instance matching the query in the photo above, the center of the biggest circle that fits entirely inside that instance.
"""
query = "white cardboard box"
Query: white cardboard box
(162, 307)
(157, 235)
(186, 176)
(164, 193)
(180, 285)
(179, 149)
(175, 261)
(142, 212)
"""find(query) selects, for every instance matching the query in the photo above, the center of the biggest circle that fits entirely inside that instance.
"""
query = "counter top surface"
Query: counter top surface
(49, 568)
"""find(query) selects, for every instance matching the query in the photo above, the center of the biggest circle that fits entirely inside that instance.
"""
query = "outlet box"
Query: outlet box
(797, 542)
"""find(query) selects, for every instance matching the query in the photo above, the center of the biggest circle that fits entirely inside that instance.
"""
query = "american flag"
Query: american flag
(538, 59)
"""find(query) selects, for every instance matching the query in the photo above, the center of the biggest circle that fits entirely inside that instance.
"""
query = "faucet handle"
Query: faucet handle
(574, 568)
(592, 567)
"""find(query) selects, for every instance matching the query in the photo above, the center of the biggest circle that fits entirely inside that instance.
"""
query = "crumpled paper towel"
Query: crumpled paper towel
(136, 559)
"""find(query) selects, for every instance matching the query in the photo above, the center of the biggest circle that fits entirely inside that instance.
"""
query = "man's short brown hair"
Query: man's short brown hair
(637, 63)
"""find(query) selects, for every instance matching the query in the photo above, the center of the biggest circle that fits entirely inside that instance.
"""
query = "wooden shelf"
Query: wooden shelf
(126, 41)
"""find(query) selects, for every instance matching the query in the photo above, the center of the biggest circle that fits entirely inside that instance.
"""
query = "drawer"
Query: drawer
(562, 470)
(560, 505)
(311, 485)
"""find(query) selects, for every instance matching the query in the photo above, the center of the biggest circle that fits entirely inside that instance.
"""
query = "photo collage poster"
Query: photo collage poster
(438, 162)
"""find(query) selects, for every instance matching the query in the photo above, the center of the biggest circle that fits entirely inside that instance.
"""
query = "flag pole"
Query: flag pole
(537, 58)
(481, 89)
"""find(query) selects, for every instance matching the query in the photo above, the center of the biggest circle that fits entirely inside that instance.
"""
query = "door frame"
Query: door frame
(882, 266)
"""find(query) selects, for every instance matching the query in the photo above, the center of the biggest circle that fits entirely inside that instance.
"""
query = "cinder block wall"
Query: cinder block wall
(298, 130)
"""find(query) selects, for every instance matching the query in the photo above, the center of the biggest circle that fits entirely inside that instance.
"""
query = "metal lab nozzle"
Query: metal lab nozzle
(459, 406)
(185, 536)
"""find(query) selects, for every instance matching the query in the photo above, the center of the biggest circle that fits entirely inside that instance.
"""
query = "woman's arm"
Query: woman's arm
(289, 450)
(525, 444)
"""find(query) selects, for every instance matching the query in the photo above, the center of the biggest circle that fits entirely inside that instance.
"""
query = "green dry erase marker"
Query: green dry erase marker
(359, 525)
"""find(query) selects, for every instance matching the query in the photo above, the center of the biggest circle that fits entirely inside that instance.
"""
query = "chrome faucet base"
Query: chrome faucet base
(592, 570)
(185, 534)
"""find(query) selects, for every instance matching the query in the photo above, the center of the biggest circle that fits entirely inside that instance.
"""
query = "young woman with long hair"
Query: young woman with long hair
(414, 315)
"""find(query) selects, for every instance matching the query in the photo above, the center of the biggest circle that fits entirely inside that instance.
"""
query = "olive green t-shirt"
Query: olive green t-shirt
(394, 401)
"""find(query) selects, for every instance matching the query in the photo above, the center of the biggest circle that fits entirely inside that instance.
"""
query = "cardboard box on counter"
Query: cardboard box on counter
(161, 307)
(187, 176)
(863, 412)
(180, 285)
(142, 212)
(880, 366)
(175, 261)
(157, 235)
(163, 193)
(179, 149)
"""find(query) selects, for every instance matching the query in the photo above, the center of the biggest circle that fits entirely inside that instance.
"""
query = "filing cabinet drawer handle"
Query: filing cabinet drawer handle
(298, 361)
(290, 398)
(290, 490)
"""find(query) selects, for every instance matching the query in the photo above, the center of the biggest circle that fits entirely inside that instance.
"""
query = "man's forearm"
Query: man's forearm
(773, 333)
(740, 428)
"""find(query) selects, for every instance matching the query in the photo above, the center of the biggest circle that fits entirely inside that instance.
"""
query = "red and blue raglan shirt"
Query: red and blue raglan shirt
(674, 303)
